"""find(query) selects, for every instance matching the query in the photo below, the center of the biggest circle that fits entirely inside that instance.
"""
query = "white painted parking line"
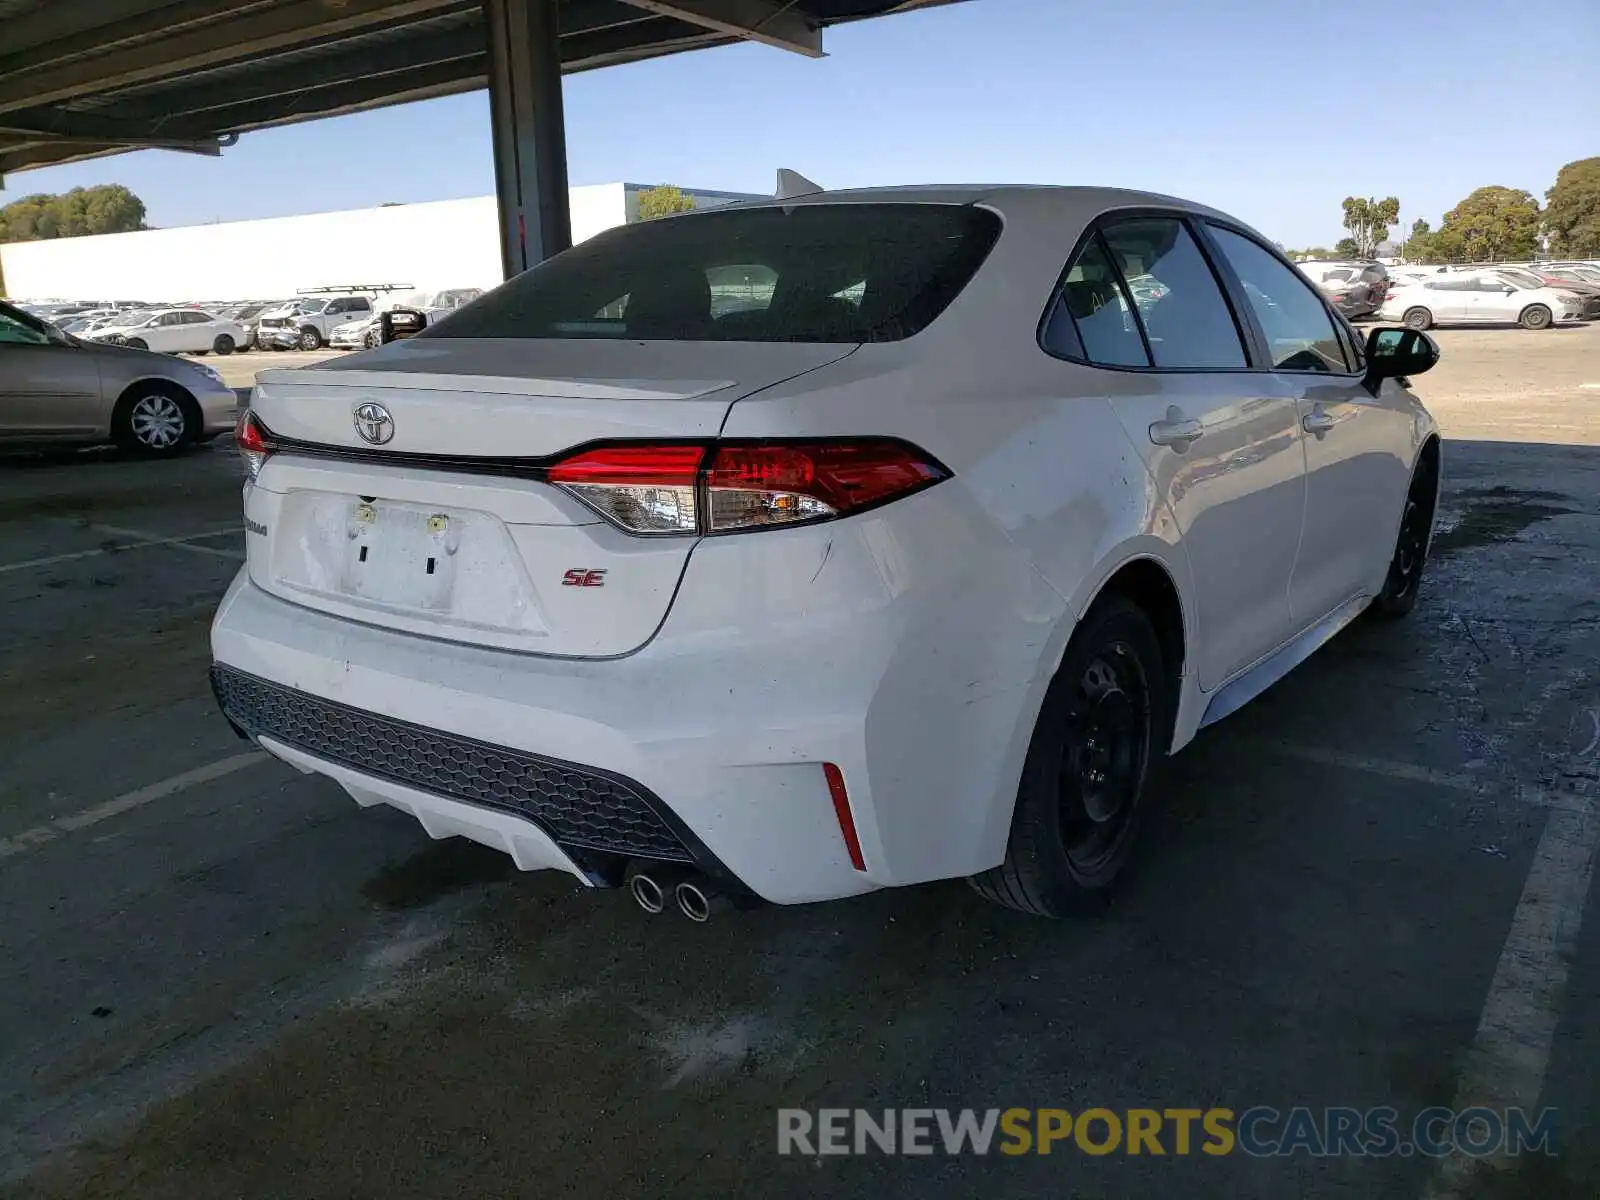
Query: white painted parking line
(135, 541)
(177, 543)
(48, 561)
(32, 839)
(1510, 1053)
(1389, 768)
(1516, 1030)
(1590, 386)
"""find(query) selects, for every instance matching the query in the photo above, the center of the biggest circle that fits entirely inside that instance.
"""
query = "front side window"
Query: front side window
(1299, 330)
(1521, 280)
(1186, 319)
(816, 273)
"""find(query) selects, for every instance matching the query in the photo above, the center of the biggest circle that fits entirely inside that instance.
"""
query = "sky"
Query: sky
(1270, 110)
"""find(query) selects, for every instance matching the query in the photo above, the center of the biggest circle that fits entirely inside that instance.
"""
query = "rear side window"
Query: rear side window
(1093, 319)
(812, 273)
(1186, 320)
(1140, 293)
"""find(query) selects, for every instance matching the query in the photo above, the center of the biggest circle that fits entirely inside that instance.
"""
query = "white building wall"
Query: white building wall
(440, 244)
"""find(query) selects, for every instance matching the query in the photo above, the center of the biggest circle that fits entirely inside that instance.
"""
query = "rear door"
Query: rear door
(1356, 473)
(1220, 441)
(199, 331)
(410, 492)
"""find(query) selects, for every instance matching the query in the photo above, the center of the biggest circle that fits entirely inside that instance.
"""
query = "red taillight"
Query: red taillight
(767, 483)
(642, 488)
(251, 443)
(639, 466)
(733, 486)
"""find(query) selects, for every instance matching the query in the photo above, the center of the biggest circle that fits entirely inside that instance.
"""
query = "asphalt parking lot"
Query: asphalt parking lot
(1372, 887)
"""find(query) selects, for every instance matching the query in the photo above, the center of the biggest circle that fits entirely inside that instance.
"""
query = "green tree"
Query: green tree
(108, 208)
(1369, 221)
(1493, 223)
(1572, 210)
(1311, 252)
(1347, 248)
(663, 201)
(1419, 243)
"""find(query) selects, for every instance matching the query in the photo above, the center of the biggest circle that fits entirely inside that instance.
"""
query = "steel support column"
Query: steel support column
(530, 143)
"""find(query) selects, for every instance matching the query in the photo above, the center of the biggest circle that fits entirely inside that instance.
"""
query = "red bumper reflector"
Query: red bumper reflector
(841, 810)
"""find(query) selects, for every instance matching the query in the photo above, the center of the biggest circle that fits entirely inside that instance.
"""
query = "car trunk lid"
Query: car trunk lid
(437, 521)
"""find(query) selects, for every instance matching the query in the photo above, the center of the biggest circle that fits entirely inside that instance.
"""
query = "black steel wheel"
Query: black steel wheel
(1101, 732)
(1401, 585)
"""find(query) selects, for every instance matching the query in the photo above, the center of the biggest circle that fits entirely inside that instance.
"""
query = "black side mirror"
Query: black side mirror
(1396, 353)
(398, 323)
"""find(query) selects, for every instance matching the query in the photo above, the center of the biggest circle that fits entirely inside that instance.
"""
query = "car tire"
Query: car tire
(155, 419)
(1102, 732)
(373, 339)
(1417, 318)
(310, 339)
(136, 344)
(1535, 316)
(223, 345)
(1400, 587)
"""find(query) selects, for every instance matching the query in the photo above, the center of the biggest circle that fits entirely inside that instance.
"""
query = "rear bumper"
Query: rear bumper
(651, 731)
(846, 644)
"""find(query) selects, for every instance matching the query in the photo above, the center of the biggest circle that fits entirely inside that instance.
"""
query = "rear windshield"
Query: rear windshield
(814, 273)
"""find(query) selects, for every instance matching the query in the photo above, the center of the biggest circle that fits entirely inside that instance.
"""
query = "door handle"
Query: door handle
(1317, 422)
(1178, 431)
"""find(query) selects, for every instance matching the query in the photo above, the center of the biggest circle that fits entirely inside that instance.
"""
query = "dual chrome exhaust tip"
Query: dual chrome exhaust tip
(655, 886)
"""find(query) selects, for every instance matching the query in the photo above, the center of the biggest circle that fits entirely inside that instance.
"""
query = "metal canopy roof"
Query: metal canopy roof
(84, 78)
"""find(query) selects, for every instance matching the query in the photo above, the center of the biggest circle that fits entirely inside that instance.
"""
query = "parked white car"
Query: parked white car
(1476, 297)
(173, 331)
(306, 322)
(363, 334)
(911, 572)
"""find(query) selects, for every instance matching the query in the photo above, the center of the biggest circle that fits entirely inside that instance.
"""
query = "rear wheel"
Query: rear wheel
(1101, 730)
(1535, 316)
(153, 419)
(1417, 318)
(223, 344)
(137, 344)
(1400, 587)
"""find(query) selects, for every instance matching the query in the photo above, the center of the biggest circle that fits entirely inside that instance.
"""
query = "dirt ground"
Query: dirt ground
(219, 978)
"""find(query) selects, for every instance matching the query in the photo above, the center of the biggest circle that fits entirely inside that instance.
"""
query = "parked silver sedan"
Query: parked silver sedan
(57, 388)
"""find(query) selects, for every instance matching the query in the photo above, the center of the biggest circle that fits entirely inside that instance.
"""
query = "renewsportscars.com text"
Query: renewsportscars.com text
(1261, 1131)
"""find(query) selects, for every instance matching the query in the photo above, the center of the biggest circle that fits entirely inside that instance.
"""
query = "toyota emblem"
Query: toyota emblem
(374, 423)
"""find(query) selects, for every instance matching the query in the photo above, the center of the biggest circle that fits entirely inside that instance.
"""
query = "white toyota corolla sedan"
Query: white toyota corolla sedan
(823, 544)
